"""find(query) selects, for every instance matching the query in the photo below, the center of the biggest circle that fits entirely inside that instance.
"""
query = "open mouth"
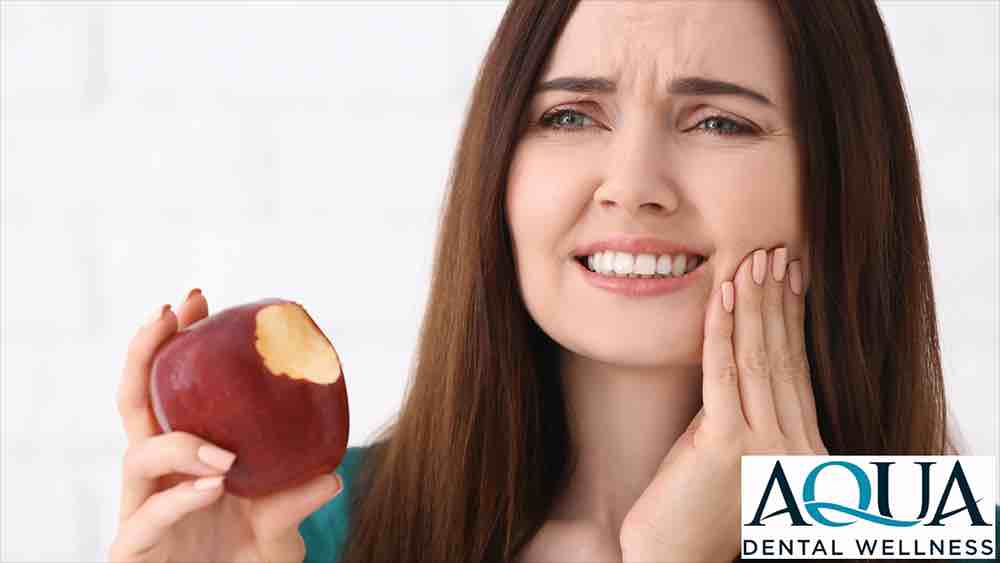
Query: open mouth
(619, 265)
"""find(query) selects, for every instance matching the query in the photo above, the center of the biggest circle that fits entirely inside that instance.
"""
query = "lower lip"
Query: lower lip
(641, 287)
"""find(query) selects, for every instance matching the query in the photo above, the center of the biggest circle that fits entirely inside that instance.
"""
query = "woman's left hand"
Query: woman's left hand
(757, 398)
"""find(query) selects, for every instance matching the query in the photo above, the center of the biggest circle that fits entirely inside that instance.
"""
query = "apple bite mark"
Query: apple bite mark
(290, 343)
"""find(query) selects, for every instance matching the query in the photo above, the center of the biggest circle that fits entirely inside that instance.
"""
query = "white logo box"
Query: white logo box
(956, 536)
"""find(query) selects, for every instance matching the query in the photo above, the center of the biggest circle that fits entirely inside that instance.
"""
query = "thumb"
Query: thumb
(686, 439)
(685, 442)
(276, 517)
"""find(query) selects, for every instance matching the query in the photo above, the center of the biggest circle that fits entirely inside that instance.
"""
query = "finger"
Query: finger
(144, 529)
(786, 369)
(795, 315)
(133, 389)
(750, 348)
(720, 377)
(194, 308)
(276, 517)
(166, 454)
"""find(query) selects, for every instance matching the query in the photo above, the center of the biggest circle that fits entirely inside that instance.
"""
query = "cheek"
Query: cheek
(759, 214)
(753, 201)
(543, 202)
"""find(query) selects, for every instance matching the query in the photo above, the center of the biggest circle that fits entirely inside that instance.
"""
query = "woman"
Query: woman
(559, 413)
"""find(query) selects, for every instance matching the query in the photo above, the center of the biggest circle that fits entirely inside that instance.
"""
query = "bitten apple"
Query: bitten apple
(262, 381)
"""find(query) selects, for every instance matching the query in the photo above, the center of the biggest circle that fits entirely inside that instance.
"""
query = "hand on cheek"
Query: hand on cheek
(757, 399)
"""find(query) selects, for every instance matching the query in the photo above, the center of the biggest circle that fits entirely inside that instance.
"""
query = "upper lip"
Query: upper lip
(638, 245)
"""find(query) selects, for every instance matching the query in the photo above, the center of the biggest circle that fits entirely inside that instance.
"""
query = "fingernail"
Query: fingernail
(780, 256)
(192, 293)
(759, 265)
(795, 277)
(340, 484)
(206, 483)
(727, 296)
(216, 457)
(158, 315)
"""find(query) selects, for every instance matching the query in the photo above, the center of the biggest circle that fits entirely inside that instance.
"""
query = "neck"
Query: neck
(622, 422)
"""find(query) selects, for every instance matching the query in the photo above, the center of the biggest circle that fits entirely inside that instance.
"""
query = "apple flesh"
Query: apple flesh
(262, 381)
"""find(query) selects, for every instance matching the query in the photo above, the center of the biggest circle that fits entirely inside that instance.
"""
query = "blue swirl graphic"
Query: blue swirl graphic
(864, 499)
(814, 507)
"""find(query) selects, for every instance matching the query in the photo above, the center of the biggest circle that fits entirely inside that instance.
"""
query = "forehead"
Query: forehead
(642, 45)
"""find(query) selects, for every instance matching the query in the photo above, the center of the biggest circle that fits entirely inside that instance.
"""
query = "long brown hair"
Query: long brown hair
(471, 466)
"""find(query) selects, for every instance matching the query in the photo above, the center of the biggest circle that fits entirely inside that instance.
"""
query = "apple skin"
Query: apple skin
(209, 380)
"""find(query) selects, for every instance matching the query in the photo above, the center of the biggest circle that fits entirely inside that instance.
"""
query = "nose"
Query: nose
(636, 181)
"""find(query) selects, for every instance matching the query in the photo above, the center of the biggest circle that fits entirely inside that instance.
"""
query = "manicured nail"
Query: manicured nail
(192, 293)
(216, 457)
(207, 483)
(727, 296)
(759, 266)
(158, 315)
(780, 256)
(795, 276)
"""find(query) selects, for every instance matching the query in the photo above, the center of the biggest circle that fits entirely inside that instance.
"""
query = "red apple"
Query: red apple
(262, 381)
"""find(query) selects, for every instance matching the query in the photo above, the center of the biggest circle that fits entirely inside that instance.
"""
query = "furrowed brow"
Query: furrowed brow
(681, 86)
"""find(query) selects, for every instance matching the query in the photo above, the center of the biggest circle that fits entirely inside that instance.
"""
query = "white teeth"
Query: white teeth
(623, 264)
(645, 264)
(607, 262)
(680, 262)
(663, 265)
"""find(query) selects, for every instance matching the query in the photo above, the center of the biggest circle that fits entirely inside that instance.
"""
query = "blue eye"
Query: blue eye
(725, 126)
(556, 121)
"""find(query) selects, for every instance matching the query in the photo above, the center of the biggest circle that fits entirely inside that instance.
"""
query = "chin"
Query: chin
(632, 348)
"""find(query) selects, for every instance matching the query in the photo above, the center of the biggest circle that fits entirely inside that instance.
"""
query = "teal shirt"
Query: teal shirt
(324, 531)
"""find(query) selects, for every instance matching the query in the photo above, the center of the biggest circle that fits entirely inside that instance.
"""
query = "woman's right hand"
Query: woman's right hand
(164, 515)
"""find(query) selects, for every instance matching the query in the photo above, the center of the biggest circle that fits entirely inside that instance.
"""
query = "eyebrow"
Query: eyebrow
(681, 86)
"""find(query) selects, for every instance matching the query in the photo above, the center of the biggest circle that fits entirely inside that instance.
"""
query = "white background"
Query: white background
(300, 150)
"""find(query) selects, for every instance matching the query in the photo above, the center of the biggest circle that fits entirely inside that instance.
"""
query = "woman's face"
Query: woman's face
(642, 160)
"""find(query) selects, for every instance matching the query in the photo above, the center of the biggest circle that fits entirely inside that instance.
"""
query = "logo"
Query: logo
(875, 507)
